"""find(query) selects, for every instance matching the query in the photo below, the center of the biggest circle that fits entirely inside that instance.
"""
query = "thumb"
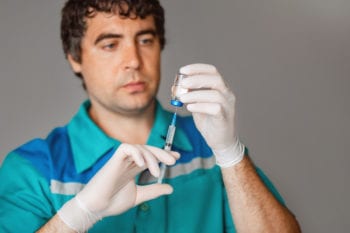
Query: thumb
(149, 192)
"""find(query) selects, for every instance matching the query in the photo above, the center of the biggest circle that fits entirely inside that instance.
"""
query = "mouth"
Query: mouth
(134, 87)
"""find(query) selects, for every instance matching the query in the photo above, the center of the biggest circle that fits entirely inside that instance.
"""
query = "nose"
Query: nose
(132, 59)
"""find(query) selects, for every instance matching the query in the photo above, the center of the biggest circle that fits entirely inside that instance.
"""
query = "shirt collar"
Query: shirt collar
(89, 142)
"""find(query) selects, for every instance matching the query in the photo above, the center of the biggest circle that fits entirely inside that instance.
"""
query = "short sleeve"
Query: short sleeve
(24, 196)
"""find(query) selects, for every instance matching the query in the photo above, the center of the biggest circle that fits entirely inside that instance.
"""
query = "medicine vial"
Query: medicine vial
(177, 90)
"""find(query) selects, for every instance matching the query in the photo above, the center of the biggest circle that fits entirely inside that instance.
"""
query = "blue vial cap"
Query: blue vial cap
(176, 103)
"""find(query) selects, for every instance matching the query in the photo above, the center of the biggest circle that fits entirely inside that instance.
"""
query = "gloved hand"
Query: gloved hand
(213, 107)
(113, 190)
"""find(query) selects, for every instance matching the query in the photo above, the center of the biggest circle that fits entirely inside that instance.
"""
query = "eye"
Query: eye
(149, 40)
(109, 46)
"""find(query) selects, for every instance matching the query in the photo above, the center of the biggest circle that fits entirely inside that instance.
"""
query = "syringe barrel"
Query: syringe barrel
(169, 137)
(168, 143)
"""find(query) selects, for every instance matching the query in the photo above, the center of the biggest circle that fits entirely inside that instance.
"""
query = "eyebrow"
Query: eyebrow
(114, 35)
(146, 31)
(107, 36)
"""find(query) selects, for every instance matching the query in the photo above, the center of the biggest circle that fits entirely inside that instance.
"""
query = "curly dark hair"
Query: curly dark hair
(75, 12)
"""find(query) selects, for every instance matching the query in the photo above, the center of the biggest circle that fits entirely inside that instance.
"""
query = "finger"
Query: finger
(198, 69)
(212, 109)
(151, 161)
(202, 96)
(149, 192)
(207, 81)
(163, 156)
(131, 151)
(175, 154)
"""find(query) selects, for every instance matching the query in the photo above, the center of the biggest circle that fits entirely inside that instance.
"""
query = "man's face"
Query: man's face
(120, 63)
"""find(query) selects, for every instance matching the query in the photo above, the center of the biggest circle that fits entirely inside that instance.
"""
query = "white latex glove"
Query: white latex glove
(113, 190)
(213, 107)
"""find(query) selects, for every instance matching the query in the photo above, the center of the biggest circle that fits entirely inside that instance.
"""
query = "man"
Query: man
(98, 173)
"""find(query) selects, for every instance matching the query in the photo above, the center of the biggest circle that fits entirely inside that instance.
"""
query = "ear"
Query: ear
(76, 66)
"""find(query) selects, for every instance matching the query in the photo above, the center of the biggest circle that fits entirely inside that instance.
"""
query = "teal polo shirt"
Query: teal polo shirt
(37, 178)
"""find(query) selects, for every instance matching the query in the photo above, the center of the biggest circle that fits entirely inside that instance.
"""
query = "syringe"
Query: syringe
(168, 143)
(176, 91)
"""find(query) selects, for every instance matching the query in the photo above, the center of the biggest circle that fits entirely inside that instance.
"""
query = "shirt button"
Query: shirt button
(144, 207)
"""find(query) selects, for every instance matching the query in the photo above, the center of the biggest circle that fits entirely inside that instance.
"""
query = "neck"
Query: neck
(127, 128)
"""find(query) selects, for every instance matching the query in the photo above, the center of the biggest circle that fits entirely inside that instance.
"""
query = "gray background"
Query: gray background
(288, 63)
